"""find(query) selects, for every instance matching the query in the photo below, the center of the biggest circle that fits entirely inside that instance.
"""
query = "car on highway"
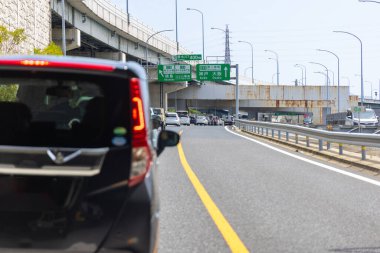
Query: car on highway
(201, 120)
(77, 164)
(193, 119)
(184, 117)
(228, 120)
(172, 119)
(184, 120)
(160, 112)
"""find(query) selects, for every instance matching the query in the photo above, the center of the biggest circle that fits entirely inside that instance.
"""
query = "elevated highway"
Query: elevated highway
(264, 98)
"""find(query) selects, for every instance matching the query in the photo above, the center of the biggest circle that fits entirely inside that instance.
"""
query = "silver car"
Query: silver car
(185, 120)
(201, 120)
(172, 119)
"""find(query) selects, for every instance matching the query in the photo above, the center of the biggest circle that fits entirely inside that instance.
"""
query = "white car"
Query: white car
(185, 120)
(171, 118)
(201, 120)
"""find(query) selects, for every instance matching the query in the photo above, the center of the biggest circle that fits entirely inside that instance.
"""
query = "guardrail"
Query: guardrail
(357, 139)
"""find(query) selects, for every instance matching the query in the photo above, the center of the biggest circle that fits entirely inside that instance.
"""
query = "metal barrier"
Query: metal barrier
(357, 139)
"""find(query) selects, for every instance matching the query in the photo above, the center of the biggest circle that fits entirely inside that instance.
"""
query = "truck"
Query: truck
(367, 117)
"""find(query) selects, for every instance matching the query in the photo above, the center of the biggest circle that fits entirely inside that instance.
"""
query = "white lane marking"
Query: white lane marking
(364, 179)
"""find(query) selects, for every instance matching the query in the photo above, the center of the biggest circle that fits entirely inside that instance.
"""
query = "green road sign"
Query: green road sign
(358, 109)
(213, 72)
(187, 57)
(174, 73)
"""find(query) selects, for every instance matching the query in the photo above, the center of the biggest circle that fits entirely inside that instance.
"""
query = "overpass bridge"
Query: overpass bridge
(264, 98)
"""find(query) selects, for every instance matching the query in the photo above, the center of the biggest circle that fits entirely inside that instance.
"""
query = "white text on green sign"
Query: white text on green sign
(187, 57)
(213, 72)
(174, 73)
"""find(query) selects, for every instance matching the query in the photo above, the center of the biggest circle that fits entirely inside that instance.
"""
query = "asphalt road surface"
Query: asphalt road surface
(265, 200)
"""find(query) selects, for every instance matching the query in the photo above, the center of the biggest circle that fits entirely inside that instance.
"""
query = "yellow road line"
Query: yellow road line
(230, 236)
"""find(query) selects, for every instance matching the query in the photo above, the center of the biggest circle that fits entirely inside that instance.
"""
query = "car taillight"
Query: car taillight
(141, 153)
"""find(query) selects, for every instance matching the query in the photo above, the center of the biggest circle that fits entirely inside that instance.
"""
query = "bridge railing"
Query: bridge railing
(277, 129)
(119, 19)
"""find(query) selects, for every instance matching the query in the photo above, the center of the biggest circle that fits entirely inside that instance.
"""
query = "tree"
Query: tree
(51, 49)
(10, 39)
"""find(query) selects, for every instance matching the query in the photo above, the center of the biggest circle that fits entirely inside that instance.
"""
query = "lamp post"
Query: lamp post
(304, 67)
(203, 32)
(298, 66)
(278, 68)
(250, 44)
(176, 26)
(147, 46)
(361, 63)
(333, 77)
(220, 29)
(273, 75)
(327, 78)
(336, 56)
(63, 28)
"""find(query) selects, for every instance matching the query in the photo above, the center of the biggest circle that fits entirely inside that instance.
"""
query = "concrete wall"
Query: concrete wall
(271, 95)
(32, 15)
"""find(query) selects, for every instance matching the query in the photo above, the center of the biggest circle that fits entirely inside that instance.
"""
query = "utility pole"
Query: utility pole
(227, 53)
(63, 28)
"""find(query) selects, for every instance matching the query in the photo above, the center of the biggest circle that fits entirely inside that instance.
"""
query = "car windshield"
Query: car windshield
(171, 115)
(365, 115)
(157, 111)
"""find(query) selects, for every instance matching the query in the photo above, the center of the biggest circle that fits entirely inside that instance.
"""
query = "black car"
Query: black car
(193, 120)
(77, 165)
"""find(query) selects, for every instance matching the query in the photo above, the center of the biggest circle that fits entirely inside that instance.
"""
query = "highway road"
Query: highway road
(252, 198)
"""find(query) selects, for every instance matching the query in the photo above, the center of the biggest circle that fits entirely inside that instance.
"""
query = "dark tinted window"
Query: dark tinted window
(51, 111)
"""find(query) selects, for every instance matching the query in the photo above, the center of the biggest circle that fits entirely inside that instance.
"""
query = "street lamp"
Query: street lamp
(147, 46)
(361, 63)
(63, 27)
(333, 77)
(336, 56)
(278, 68)
(327, 78)
(250, 44)
(273, 75)
(298, 66)
(176, 26)
(225, 32)
(304, 67)
(203, 31)
(322, 73)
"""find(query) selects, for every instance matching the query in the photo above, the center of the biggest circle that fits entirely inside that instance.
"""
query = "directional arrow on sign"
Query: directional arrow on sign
(225, 71)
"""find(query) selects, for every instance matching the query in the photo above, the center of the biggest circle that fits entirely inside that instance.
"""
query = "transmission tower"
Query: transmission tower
(227, 54)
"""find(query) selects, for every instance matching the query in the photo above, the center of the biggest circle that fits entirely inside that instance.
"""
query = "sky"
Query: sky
(292, 28)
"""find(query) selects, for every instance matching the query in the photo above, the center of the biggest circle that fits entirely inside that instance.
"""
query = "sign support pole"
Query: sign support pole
(236, 90)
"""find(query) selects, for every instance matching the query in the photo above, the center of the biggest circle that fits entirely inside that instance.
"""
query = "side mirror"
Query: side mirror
(167, 139)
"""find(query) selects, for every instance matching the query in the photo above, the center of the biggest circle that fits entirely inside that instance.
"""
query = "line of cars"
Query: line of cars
(183, 118)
